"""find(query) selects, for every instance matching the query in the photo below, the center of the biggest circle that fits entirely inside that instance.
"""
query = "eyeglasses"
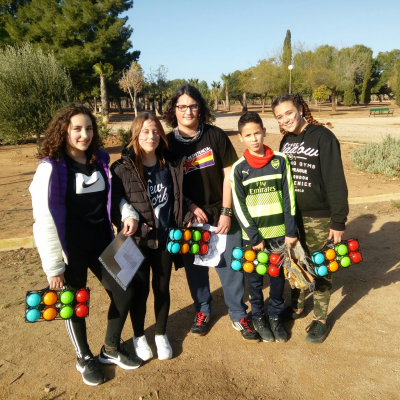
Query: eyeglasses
(194, 107)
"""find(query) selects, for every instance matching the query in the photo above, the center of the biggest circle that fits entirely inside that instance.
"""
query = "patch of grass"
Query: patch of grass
(396, 203)
(5, 305)
(379, 158)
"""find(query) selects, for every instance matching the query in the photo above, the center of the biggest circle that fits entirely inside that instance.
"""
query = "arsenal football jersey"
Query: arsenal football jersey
(203, 169)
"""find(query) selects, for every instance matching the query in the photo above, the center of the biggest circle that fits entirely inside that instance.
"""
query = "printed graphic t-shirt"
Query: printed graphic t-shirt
(203, 169)
(86, 197)
(160, 191)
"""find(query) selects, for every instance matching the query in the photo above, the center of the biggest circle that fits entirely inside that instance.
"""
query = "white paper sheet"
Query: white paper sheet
(129, 258)
(216, 247)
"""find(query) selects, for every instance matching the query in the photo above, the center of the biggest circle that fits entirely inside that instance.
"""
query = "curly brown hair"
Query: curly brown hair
(56, 134)
(170, 113)
(300, 104)
(135, 130)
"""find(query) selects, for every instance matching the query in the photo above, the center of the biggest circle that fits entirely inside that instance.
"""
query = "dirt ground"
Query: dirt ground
(359, 359)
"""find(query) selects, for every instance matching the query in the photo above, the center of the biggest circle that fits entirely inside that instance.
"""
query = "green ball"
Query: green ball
(66, 312)
(261, 269)
(345, 262)
(341, 249)
(194, 249)
(196, 236)
(67, 297)
(262, 257)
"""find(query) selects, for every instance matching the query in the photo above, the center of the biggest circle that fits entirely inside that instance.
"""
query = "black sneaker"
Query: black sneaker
(91, 374)
(278, 330)
(246, 328)
(289, 314)
(120, 357)
(260, 325)
(317, 332)
(199, 326)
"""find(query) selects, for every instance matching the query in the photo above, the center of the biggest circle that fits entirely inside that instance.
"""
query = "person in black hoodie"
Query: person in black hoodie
(153, 188)
(321, 196)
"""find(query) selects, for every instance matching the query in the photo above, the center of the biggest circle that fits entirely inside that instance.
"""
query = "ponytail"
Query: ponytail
(298, 102)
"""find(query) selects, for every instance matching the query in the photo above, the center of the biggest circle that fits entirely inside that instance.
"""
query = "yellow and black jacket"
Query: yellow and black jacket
(264, 199)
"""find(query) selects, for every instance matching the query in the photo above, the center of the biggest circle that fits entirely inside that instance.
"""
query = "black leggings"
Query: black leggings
(84, 247)
(160, 262)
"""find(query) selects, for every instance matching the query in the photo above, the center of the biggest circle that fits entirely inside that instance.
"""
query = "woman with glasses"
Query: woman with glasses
(153, 187)
(207, 195)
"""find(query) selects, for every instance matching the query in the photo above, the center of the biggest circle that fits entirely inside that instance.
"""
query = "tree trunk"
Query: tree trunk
(118, 103)
(263, 105)
(227, 102)
(244, 102)
(104, 100)
(135, 102)
(38, 142)
(334, 98)
(216, 102)
(153, 104)
(95, 104)
(160, 108)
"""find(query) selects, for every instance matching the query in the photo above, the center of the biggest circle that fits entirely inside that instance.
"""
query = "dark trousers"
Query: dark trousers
(276, 287)
(84, 247)
(232, 282)
(160, 263)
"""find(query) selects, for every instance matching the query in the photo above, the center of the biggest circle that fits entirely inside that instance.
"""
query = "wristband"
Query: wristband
(188, 202)
(226, 211)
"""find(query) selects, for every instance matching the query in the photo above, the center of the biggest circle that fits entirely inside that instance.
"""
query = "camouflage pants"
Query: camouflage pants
(313, 233)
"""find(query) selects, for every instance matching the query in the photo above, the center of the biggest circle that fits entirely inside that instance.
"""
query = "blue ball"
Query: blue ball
(322, 270)
(318, 258)
(177, 234)
(169, 247)
(175, 248)
(32, 315)
(237, 253)
(236, 265)
(171, 234)
(33, 300)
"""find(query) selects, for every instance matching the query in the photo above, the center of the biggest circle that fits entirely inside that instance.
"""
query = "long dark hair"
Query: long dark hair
(299, 103)
(204, 112)
(136, 128)
(56, 134)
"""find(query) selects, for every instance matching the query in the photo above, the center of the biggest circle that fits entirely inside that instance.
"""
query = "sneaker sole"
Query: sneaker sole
(87, 382)
(165, 358)
(251, 340)
(321, 339)
(144, 358)
(268, 341)
(117, 362)
(197, 334)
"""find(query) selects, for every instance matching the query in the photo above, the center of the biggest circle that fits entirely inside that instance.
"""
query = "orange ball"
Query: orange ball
(49, 313)
(187, 235)
(250, 255)
(330, 254)
(333, 266)
(248, 267)
(184, 248)
(50, 298)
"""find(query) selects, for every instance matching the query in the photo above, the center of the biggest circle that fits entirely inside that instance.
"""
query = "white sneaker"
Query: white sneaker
(164, 349)
(142, 349)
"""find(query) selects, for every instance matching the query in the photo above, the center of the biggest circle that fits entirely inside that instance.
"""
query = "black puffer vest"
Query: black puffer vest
(128, 184)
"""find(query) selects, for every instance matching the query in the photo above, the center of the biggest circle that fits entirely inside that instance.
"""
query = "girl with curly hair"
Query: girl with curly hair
(321, 196)
(71, 198)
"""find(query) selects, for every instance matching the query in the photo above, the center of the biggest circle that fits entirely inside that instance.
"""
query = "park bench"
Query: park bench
(380, 111)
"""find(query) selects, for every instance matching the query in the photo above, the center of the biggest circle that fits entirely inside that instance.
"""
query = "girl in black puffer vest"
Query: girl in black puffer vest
(154, 188)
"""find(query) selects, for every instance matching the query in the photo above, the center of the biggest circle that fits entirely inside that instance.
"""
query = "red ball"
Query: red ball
(81, 310)
(352, 244)
(205, 236)
(82, 296)
(274, 259)
(355, 257)
(273, 270)
(203, 249)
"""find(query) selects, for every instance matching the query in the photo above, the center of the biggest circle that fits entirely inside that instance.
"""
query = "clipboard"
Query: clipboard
(122, 258)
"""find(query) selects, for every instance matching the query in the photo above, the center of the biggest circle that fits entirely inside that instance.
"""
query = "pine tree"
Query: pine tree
(81, 33)
(367, 81)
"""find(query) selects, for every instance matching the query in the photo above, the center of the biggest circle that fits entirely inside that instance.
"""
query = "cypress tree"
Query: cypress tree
(286, 60)
(367, 81)
(397, 90)
(349, 95)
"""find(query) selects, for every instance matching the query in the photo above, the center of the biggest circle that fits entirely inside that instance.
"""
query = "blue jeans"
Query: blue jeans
(276, 287)
(232, 282)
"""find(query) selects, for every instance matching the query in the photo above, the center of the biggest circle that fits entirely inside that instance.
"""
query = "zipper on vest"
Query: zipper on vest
(145, 189)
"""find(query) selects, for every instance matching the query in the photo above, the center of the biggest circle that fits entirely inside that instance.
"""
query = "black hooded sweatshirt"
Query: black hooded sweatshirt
(318, 175)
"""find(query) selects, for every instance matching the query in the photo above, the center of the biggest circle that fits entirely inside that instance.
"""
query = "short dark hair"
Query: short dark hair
(204, 113)
(248, 117)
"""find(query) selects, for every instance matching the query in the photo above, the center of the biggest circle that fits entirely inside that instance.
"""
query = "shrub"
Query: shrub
(124, 136)
(104, 130)
(379, 158)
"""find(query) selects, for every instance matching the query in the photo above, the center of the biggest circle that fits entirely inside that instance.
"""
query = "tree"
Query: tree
(79, 32)
(349, 95)
(103, 70)
(33, 86)
(215, 89)
(161, 82)
(226, 79)
(320, 94)
(286, 61)
(367, 82)
(397, 87)
(132, 81)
